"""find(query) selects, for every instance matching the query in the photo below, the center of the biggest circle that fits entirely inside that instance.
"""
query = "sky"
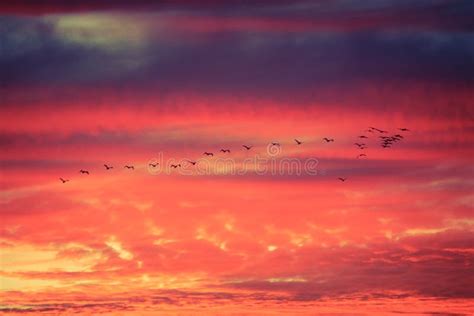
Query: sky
(271, 230)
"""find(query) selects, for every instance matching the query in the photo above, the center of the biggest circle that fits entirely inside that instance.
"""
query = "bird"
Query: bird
(192, 162)
(342, 179)
(298, 142)
(129, 167)
(328, 140)
(175, 166)
(378, 130)
(208, 153)
(64, 180)
(369, 130)
(247, 147)
(154, 165)
(225, 150)
(84, 171)
(362, 155)
(275, 144)
(403, 129)
(108, 167)
(398, 136)
(360, 145)
(363, 136)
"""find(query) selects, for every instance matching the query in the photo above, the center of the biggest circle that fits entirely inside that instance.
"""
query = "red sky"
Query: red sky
(238, 233)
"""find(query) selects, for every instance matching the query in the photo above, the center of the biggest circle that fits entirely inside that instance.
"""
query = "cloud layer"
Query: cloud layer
(89, 83)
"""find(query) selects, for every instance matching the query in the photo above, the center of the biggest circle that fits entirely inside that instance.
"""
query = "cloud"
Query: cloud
(50, 52)
(93, 83)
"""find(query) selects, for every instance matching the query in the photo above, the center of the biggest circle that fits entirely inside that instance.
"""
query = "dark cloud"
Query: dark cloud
(431, 13)
(250, 61)
(65, 308)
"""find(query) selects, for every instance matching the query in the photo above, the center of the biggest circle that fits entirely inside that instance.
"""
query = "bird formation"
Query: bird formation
(385, 142)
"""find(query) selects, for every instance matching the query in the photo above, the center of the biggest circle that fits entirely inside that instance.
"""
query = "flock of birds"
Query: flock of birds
(385, 142)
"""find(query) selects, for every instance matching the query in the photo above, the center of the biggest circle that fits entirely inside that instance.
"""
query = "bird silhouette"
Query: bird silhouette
(64, 180)
(192, 162)
(247, 147)
(403, 129)
(328, 140)
(378, 130)
(360, 145)
(175, 166)
(298, 142)
(362, 155)
(363, 136)
(342, 179)
(129, 167)
(154, 165)
(225, 150)
(84, 171)
(275, 144)
(208, 153)
(107, 167)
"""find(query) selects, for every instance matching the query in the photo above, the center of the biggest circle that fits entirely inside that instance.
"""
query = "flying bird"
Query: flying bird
(192, 162)
(154, 165)
(225, 150)
(378, 130)
(84, 171)
(342, 179)
(298, 142)
(175, 166)
(403, 129)
(328, 140)
(275, 144)
(107, 167)
(64, 180)
(363, 136)
(129, 167)
(247, 147)
(208, 153)
(362, 155)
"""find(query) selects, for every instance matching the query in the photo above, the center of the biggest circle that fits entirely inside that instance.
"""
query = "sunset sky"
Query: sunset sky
(266, 231)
